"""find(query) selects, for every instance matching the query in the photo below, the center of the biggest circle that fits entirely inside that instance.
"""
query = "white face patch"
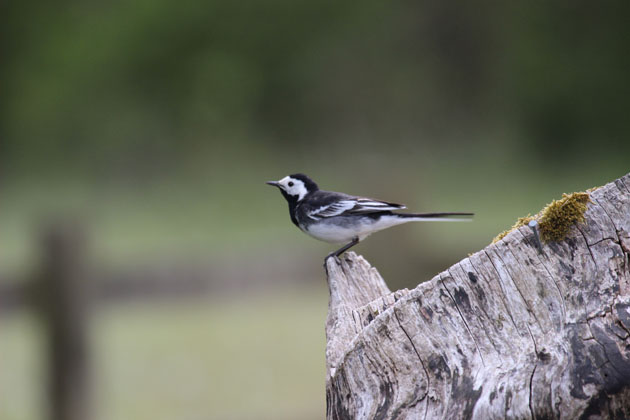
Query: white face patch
(293, 187)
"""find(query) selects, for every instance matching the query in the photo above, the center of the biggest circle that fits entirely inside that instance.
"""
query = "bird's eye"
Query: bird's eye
(290, 184)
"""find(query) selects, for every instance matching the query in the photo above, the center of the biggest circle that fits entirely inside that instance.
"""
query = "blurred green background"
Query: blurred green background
(153, 125)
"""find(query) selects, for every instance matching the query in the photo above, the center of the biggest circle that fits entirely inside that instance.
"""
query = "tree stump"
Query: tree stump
(509, 332)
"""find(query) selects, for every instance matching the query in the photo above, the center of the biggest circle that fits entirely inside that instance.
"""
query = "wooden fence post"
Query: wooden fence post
(63, 301)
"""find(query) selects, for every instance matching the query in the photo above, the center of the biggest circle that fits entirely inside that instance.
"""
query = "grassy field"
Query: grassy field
(260, 357)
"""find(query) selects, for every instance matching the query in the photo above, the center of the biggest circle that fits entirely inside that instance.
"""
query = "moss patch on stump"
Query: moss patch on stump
(556, 219)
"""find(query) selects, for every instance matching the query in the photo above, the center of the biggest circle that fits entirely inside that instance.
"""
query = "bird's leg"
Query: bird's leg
(343, 249)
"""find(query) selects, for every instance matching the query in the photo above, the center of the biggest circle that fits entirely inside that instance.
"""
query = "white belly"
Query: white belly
(343, 231)
(330, 233)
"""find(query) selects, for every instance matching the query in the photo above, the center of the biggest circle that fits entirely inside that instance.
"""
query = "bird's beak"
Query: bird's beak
(274, 183)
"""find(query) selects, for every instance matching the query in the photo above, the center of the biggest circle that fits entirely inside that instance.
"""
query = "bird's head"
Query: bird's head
(295, 187)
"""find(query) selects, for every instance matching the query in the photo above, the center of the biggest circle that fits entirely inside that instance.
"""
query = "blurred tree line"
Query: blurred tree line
(140, 88)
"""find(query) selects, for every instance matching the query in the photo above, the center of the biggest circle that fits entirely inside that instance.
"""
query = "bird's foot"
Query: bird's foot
(341, 250)
(332, 255)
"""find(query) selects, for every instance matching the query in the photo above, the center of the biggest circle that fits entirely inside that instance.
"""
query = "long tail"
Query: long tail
(438, 217)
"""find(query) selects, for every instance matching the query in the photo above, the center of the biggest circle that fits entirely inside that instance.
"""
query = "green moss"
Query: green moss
(522, 221)
(555, 220)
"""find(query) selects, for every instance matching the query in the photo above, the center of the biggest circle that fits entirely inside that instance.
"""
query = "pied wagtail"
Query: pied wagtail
(341, 218)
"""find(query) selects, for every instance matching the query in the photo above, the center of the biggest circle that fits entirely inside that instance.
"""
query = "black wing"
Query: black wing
(336, 204)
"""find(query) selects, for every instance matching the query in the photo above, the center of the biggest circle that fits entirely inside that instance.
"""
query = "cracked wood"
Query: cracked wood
(505, 333)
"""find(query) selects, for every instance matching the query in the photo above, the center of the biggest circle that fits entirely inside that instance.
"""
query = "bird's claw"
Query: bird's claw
(332, 255)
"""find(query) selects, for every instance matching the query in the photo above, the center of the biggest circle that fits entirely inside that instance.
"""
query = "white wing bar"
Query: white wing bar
(359, 205)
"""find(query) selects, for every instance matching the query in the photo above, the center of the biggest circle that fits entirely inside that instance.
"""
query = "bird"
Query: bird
(339, 218)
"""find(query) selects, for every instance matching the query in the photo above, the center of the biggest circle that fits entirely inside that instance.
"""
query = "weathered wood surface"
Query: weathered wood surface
(506, 333)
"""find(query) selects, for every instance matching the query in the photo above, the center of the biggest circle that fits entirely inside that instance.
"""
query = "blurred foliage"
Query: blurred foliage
(137, 88)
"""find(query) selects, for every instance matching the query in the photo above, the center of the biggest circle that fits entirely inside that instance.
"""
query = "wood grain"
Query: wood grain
(508, 332)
